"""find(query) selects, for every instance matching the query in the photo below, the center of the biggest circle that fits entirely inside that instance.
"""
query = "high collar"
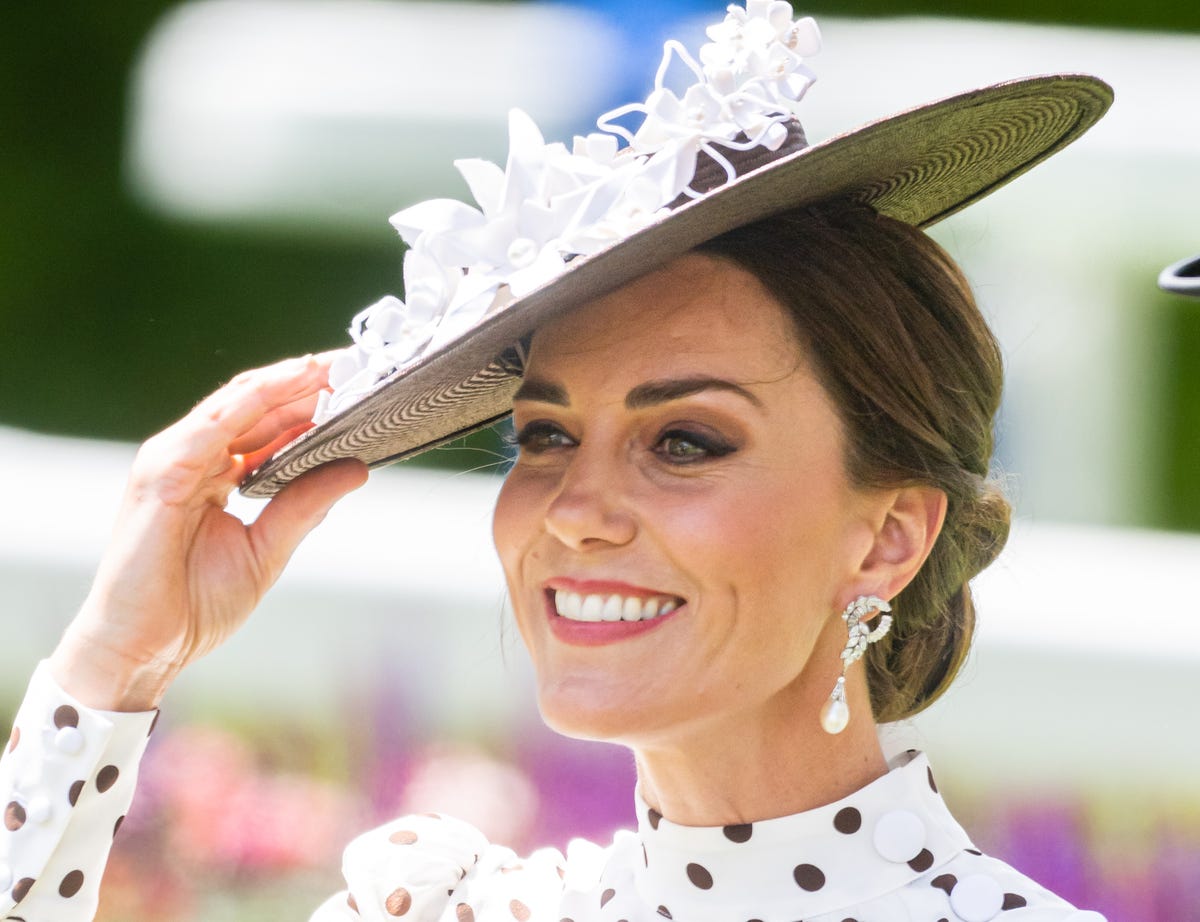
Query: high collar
(874, 841)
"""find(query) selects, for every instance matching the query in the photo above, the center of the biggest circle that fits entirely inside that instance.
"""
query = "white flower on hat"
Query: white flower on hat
(759, 50)
(550, 205)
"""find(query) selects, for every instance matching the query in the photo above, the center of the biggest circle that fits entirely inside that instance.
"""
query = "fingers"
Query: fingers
(253, 460)
(236, 410)
(298, 508)
(200, 456)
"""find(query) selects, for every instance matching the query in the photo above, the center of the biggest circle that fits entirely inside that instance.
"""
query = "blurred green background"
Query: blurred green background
(114, 320)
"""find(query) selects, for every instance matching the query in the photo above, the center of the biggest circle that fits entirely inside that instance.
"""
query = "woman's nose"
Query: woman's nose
(589, 510)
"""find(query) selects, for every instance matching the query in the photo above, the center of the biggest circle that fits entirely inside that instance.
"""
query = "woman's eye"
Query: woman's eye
(682, 447)
(540, 436)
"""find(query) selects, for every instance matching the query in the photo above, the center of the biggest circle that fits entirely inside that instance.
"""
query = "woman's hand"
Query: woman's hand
(180, 574)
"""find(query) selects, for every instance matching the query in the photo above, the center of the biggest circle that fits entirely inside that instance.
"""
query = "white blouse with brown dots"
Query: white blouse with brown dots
(67, 778)
(890, 852)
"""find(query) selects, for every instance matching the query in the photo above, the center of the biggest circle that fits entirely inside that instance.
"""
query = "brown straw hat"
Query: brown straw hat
(919, 166)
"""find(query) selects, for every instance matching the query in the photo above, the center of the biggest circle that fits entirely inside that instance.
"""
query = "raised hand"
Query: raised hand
(181, 574)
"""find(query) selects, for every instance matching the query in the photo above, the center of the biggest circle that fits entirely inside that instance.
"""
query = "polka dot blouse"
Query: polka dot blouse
(890, 852)
(67, 778)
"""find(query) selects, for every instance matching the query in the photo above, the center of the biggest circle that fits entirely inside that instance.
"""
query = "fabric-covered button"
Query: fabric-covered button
(39, 810)
(5, 876)
(899, 835)
(69, 741)
(977, 898)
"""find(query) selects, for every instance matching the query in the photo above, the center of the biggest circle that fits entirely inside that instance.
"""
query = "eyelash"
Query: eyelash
(711, 447)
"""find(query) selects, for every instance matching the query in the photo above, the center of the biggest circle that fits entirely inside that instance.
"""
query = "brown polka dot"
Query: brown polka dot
(14, 738)
(464, 913)
(944, 882)
(923, 861)
(809, 877)
(932, 783)
(645, 856)
(566, 919)
(14, 816)
(107, 777)
(562, 872)
(117, 824)
(606, 896)
(739, 833)
(848, 821)
(848, 919)
(698, 875)
(154, 722)
(403, 837)
(21, 889)
(512, 868)
(654, 816)
(1013, 901)
(399, 902)
(519, 910)
(351, 901)
(664, 912)
(432, 816)
(70, 884)
(66, 716)
(73, 793)
(974, 851)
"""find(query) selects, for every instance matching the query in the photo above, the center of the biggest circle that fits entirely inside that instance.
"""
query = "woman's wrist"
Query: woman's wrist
(107, 679)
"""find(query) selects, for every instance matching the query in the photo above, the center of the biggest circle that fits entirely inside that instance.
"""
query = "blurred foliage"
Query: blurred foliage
(113, 321)
(1179, 498)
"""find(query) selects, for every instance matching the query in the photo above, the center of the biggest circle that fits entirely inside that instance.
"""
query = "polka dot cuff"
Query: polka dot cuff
(67, 778)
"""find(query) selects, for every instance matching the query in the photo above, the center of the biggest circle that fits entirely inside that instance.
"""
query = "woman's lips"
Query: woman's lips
(594, 612)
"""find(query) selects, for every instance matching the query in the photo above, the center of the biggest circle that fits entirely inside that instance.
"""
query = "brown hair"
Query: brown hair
(893, 331)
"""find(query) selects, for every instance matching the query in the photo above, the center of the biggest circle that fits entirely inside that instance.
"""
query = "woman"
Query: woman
(751, 457)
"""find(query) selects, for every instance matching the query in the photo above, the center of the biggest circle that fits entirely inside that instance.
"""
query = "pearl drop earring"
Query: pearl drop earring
(836, 712)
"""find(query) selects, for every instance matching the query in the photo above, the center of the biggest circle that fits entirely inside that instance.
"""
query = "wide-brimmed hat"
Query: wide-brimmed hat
(559, 227)
(1182, 278)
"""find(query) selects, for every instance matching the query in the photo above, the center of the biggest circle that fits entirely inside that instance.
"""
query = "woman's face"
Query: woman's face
(679, 527)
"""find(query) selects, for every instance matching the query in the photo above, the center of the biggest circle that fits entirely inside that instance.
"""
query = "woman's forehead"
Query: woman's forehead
(698, 314)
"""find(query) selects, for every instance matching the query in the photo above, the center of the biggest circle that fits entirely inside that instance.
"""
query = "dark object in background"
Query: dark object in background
(1182, 278)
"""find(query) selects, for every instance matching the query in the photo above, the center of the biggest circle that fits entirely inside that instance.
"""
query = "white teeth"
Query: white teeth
(577, 607)
(593, 608)
(632, 609)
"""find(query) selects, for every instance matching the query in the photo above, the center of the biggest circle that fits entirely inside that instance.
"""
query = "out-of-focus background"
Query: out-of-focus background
(188, 189)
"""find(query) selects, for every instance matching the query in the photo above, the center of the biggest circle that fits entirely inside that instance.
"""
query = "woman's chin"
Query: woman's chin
(581, 711)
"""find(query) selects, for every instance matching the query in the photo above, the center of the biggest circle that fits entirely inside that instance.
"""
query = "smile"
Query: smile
(576, 606)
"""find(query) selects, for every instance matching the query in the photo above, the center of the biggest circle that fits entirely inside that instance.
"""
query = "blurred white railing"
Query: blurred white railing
(1086, 669)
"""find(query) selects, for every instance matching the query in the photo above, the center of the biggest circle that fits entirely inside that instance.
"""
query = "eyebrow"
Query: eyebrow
(644, 395)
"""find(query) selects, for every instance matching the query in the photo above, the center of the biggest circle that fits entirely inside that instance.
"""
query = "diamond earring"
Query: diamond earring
(836, 712)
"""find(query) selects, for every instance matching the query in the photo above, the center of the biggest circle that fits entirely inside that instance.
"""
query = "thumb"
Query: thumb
(297, 509)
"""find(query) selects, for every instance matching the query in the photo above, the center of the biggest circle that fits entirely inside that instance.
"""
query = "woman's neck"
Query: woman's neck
(774, 764)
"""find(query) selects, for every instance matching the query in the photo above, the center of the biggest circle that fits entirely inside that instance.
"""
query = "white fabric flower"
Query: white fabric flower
(550, 204)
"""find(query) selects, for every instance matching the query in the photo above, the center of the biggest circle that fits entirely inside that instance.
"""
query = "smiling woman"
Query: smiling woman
(754, 409)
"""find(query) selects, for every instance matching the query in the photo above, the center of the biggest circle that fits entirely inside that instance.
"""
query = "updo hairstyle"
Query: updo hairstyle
(890, 327)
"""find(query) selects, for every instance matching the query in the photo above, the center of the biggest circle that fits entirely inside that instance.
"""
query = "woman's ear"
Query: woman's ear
(905, 534)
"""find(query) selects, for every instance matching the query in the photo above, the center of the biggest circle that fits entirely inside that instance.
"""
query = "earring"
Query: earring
(836, 712)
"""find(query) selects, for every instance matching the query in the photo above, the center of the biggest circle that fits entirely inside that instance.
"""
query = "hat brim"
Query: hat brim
(919, 166)
(1182, 278)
